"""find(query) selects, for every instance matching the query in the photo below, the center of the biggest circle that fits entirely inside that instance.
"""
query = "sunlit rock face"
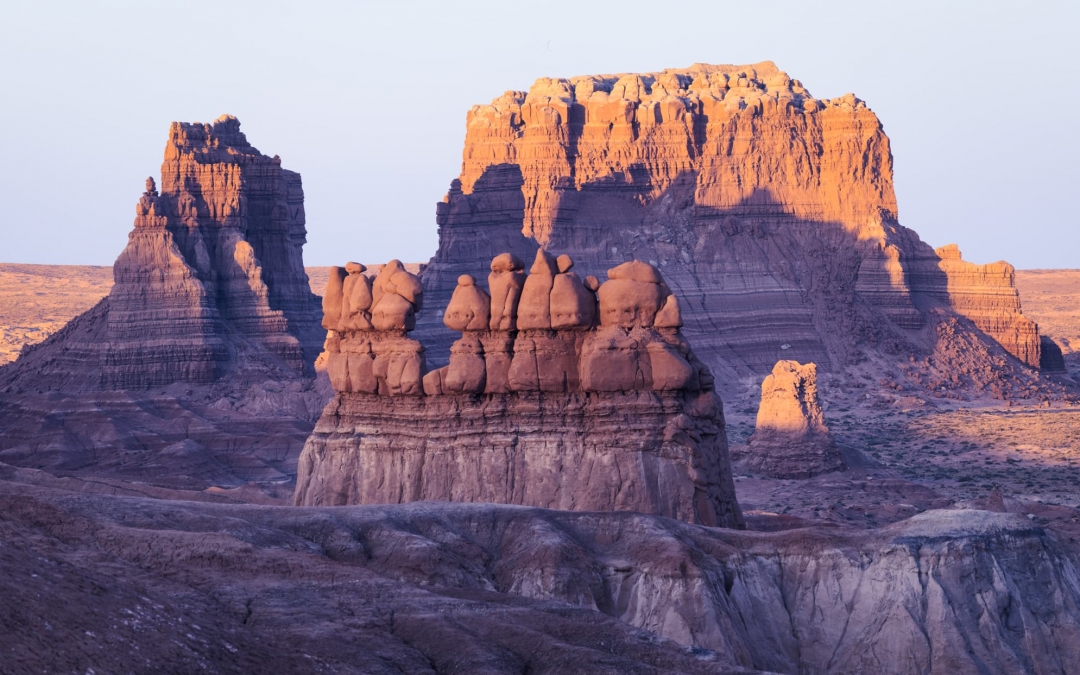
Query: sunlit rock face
(791, 439)
(561, 392)
(771, 213)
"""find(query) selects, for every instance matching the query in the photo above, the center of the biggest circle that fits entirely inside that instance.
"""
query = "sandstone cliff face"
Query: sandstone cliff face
(201, 357)
(791, 439)
(561, 393)
(770, 212)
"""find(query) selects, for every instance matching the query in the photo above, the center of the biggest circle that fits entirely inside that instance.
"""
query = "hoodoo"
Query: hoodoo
(770, 212)
(791, 439)
(561, 393)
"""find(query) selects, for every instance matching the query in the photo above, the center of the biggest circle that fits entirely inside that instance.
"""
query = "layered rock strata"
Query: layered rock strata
(217, 253)
(771, 213)
(791, 439)
(561, 393)
(241, 588)
(198, 367)
(984, 294)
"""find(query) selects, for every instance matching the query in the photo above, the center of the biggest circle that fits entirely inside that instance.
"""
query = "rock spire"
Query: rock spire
(204, 346)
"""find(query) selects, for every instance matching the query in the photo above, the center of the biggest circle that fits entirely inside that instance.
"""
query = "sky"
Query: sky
(368, 102)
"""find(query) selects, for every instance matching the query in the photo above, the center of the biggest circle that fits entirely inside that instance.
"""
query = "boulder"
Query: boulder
(469, 308)
(506, 281)
(534, 309)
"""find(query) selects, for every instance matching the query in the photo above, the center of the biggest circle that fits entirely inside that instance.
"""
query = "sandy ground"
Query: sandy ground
(1052, 298)
(37, 300)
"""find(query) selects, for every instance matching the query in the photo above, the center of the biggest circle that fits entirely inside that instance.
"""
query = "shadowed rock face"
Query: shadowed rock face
(217, 253)
(791, 439)
(198, 367)
(213, 271)
(590, 399)
(493, 588)
(771, 214)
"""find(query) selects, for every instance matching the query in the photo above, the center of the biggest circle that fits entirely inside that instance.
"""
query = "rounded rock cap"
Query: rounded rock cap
(506, 262)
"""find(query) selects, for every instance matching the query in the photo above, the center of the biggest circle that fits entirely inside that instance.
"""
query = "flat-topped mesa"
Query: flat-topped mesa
(791, 439)
(561, 392)
(217, 253)
(774, 210)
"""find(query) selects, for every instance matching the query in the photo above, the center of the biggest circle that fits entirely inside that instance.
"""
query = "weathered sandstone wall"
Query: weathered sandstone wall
(770, 212)
(561, 393)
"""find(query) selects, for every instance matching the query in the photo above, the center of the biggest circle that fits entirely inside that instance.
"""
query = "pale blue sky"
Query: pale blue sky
(368, 102)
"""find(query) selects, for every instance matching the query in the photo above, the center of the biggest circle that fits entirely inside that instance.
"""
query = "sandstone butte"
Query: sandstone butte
(771, 213)
(198, 365)
(561, 392)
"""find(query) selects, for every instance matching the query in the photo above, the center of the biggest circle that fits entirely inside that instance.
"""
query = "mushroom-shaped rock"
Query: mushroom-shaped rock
(635, 270)
(573, 307)
(394, 278)
(382, 278)
(396, 297)
(393, 312)
(534, 310)
(408, 286)
(469, 307)
(631, 296)
(505, 282)
(332, 299)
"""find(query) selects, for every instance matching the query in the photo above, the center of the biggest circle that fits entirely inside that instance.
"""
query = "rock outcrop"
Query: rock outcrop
(205, 345)
(771, 213)
(217, 253)
(791, 439)
(443, 588)
(561, 393)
